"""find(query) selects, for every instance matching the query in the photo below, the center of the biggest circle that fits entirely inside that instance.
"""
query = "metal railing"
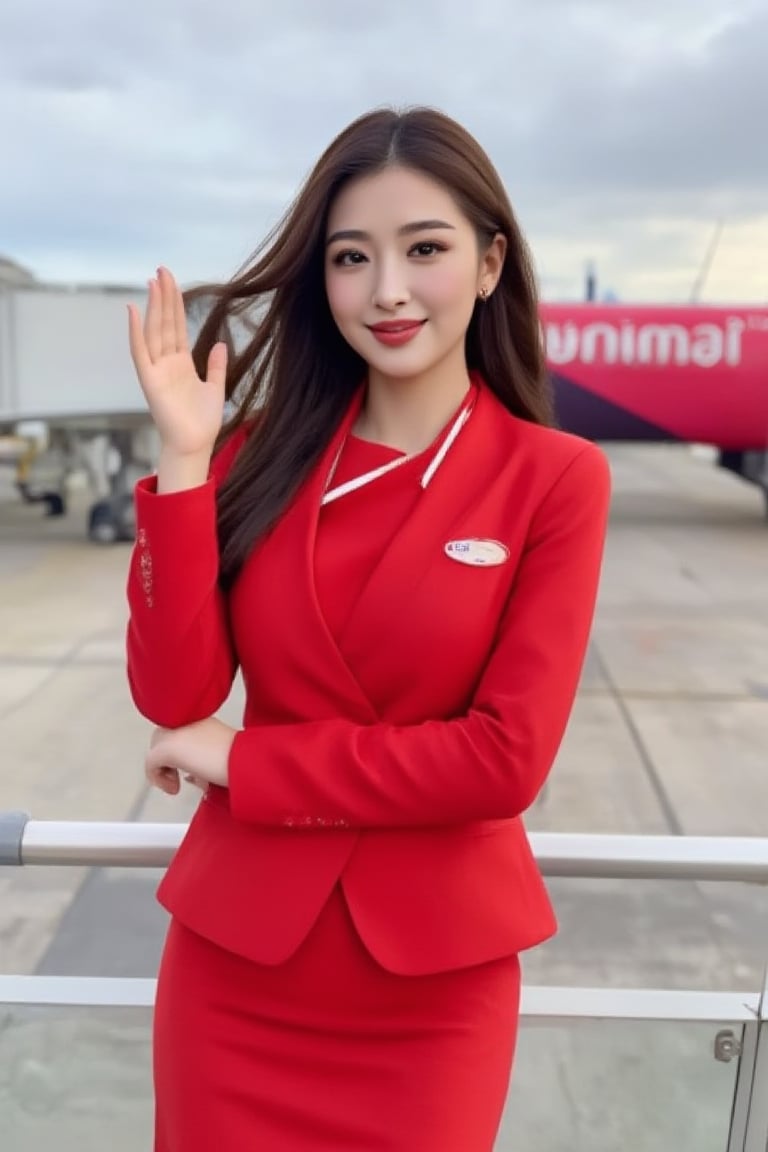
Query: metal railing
(27, 842)
(24, 841)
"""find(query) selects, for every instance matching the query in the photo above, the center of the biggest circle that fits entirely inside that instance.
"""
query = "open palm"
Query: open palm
(187, 411)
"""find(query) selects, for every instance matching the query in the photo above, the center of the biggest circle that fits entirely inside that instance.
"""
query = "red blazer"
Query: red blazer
(404, 769)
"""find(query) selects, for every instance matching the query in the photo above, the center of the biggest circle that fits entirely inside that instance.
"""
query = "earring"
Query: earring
(484, 294)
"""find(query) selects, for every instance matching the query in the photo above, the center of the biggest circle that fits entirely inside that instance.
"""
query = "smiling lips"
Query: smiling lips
(396, 332)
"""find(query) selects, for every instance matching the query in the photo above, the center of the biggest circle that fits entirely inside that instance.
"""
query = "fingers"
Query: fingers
(217, 365)
(165, 324)
(180, 320)
(153, 321)
(166, 779)
(138, 346)
(168, 293)
(158, 773)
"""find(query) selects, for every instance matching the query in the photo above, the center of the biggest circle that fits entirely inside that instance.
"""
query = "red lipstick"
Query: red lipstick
(396, 332)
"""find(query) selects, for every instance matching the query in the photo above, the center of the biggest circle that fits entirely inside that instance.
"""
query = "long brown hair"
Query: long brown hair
(295, 366)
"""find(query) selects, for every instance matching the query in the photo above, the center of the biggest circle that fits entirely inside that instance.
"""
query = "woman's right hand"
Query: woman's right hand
(187, 411)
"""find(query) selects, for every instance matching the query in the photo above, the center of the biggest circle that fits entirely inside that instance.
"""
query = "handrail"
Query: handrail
(24, 841)
(538, 1002)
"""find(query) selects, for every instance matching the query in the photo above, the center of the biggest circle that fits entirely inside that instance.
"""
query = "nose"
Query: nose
(390, 289)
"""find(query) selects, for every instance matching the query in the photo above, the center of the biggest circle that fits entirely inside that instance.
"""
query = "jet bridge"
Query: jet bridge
(65, 362)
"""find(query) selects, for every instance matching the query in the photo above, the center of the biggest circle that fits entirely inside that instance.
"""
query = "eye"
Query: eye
(347, 258)
(427, 248)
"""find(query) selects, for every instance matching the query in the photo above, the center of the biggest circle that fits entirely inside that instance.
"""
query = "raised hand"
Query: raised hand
(187, 411)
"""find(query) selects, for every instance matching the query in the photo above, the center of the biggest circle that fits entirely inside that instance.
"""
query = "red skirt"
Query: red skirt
(328, 1052)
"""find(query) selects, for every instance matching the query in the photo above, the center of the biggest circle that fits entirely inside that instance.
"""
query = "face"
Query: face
(403, 271)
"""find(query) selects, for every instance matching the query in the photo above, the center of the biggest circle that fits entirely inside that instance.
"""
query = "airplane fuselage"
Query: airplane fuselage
(660, 373)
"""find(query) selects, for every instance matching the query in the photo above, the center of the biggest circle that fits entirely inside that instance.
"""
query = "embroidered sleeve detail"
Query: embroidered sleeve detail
(314, 822)
(145, 567)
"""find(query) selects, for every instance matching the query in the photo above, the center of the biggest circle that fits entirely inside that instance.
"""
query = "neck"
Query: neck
(409, 414)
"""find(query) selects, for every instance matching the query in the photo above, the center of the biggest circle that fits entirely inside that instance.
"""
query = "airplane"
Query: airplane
(621, 372)
(695, 374)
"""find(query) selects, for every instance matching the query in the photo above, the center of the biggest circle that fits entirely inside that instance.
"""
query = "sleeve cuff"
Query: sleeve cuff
(176, 545)
(258, 798)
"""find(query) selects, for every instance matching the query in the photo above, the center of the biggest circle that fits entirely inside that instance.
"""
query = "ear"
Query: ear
(491, 264)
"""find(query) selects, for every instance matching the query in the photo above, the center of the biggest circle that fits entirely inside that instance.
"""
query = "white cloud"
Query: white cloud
(176, 130)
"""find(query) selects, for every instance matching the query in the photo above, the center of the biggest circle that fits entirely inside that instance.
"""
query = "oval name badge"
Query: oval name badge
(477, 553)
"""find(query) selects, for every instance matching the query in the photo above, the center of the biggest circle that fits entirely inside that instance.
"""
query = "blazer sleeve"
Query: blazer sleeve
(180, 656)
(487, 764)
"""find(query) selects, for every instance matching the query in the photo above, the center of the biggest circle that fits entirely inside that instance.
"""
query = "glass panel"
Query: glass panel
(603, 1085)
(75, 1079)
(71, 1077)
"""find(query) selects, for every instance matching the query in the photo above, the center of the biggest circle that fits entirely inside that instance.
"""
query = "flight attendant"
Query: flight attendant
(401, 555)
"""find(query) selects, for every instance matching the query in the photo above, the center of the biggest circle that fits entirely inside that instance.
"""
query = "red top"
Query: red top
(354, 531)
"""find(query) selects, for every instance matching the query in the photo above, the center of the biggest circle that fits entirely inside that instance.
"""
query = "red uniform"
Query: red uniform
(341, 970)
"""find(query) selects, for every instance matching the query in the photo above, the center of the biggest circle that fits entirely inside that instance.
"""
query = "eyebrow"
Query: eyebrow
(406, 230)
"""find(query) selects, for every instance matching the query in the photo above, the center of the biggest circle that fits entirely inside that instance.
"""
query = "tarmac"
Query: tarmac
(669, 735)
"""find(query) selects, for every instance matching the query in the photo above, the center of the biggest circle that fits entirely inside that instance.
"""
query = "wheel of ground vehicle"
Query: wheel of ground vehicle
(54, 504)
(102, 525)
(112, 520)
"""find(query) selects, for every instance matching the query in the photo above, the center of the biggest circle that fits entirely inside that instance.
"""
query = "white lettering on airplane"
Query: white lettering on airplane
(704, 345)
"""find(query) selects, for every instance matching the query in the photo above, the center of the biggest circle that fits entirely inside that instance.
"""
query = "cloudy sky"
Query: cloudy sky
(629, 132)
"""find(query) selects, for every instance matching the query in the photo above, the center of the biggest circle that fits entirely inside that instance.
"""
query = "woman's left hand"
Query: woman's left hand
(198, 752)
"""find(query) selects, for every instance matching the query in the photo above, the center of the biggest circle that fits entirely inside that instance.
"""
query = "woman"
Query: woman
(402, 556)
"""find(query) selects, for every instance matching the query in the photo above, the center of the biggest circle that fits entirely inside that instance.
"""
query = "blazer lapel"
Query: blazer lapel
(320, 669)
(382, 619)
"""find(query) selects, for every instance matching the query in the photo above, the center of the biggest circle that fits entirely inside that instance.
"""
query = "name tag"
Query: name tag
(477, 553)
